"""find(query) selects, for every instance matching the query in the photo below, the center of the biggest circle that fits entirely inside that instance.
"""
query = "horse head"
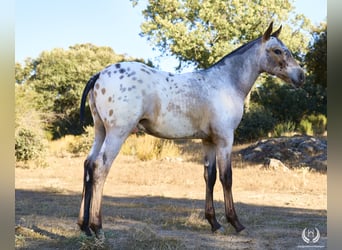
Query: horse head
(276, 59)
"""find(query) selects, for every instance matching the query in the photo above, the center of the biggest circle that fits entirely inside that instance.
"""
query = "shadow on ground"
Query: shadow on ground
(47, 220)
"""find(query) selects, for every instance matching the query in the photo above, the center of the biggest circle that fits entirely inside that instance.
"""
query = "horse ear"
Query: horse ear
(276, 33)
(267, 33)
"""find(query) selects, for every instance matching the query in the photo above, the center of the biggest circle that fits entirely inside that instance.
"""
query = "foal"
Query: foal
(206, 105)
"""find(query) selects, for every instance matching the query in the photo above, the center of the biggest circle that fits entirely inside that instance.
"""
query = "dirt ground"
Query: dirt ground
(159, 204)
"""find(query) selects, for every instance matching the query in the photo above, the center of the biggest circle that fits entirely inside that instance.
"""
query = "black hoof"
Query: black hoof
(219, 231)
(236, 224)
(85, 229)
(239, 228)
(97, 230)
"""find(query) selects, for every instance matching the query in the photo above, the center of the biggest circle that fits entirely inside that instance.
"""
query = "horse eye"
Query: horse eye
(277, 51)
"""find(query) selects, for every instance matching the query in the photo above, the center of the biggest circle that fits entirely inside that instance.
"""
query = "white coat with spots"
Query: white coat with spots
(206, 105)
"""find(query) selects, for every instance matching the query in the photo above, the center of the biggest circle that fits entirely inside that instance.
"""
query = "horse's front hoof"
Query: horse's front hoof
(220, 231)
(236, 224)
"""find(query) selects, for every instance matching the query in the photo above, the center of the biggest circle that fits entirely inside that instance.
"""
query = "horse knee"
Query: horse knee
(226, 177)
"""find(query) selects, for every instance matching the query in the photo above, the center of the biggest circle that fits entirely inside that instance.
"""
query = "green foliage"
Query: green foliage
(284, 129)
(202, 32)
(255, 124)
(30, 139)
(318, 123)
(287, 103)
(27, 145)
(316, 58)
(305, 127)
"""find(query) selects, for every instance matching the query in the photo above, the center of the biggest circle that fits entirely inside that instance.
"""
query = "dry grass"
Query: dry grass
(147, 148)
(158, 204)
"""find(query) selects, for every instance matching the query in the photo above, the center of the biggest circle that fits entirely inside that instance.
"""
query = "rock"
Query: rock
(275, 164)
(293, 152)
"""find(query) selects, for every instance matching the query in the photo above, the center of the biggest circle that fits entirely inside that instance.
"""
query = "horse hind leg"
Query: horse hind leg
(109, 150)
(100, 133)
(83, 219)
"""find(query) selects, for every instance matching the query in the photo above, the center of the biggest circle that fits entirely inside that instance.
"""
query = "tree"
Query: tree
(316, 58)
(59, 76)
(203, 31)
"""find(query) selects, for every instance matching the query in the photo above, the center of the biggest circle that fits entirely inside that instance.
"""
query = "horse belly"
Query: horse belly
(175, 125)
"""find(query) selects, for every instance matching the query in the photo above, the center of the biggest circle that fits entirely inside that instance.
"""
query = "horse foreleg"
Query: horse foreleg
(210, 179)
(226, 178)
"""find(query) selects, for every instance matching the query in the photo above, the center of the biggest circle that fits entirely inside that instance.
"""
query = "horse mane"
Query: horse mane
(238, 51)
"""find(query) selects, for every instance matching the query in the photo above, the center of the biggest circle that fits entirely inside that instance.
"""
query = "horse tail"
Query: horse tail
(90, 84)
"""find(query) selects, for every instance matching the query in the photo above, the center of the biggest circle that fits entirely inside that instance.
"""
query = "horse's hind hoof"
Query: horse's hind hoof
(240, 229)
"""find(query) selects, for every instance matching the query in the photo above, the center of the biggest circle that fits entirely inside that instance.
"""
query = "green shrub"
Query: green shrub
(255, 124)
(30, 136)
(284, 128)
(305, 127)
(319, 123)
(290, 104)
(28, 145)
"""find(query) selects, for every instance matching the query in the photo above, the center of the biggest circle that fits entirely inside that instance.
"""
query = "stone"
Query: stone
(293, 152)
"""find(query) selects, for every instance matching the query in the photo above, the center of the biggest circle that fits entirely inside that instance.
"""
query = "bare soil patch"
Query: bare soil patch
(159, 204)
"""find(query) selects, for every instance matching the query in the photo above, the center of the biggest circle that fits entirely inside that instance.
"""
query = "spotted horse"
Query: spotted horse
(206, 104)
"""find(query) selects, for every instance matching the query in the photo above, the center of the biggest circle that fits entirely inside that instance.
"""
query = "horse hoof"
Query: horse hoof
(239, 228)
(243, 232)
(86, 231)
(220, 231)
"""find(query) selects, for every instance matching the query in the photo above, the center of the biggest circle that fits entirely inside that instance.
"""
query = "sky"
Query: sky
(44, 25)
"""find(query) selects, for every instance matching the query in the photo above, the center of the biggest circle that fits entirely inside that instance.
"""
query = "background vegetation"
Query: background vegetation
(198, 33)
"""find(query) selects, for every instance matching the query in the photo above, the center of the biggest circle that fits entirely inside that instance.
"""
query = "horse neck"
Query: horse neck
(240, 69)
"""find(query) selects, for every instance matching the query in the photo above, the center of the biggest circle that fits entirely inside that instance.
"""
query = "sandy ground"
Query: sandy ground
(159, 204)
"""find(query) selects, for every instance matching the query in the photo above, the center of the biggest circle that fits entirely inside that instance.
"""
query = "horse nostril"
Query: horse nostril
(301, 76)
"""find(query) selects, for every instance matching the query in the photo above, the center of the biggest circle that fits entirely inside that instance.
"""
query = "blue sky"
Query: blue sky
(44, 25)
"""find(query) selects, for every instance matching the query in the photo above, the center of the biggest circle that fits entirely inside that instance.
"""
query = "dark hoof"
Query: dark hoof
(216, 226)
(86, 230)
(98, 231)
(237, 225)
(220, 231)
(239, 228)
(244, 232)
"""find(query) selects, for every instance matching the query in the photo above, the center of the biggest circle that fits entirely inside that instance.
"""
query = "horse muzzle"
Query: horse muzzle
(297, 77)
